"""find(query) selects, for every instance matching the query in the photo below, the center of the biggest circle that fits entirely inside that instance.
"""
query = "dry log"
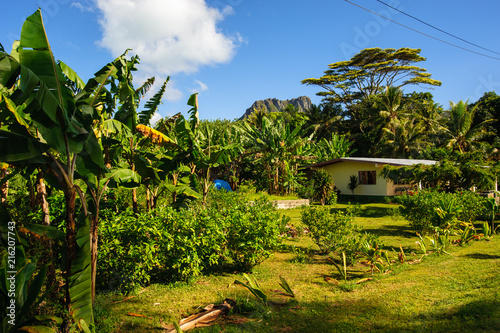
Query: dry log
(211, 312)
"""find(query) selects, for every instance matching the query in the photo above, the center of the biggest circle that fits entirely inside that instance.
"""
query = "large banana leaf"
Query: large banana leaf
(41, 89)
(35, 53)
(151, 105)
(15, 147)
(80, 278)
(122, 177)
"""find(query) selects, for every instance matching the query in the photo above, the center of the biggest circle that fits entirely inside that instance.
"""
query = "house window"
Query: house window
(367, 177)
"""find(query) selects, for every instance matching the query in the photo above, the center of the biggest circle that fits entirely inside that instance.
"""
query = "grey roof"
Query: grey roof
(390, 161)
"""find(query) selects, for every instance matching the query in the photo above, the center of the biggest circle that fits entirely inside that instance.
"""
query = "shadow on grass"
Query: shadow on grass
(351, 315)
(392, 230)
(369, 211)
(481, 256)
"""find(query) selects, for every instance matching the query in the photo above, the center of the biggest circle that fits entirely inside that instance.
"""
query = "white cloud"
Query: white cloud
(201, 86)
(155, 118)
(81, 7)
(172, 94)
(170, 36)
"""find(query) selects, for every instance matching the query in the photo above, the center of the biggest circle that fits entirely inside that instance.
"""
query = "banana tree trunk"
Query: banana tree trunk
(5, 186)
(148, 199)
(134, 201)
(70, 197)
(41, 199)
(93, 252)
(206, 186)
(175, 176)
(31, 193)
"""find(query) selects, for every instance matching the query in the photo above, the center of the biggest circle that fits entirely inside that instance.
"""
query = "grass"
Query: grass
(458, 293)
(251, 194)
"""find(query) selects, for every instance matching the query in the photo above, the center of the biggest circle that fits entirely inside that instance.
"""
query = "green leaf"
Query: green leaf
(194, 116)
(25, 147)
(253, 287)
(71, 75)
(55, 319)
(47, 231)
(284, 284)
(32, 299)
(37, 329)
(80, 278)
(123, 177)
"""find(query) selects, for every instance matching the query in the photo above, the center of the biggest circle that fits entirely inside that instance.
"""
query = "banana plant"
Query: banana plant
(40, 113)
(278, 148)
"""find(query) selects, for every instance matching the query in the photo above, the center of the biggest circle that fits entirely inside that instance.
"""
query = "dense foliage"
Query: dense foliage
(427, 210)
(170, 245)
(324, 187)
(333, 231)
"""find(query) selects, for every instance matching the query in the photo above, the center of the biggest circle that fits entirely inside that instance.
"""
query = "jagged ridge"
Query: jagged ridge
(274, 104)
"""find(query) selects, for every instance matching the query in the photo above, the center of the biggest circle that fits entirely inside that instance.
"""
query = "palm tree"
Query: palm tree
(353, 183)
(459, 131)
(389, 101)
(323, 120)
(428, 115)
(404, 138)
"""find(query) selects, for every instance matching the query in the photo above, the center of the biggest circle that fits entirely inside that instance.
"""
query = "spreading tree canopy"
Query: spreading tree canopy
(367, 72)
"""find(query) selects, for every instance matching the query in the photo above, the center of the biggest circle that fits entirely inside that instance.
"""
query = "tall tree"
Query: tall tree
(403, 139)
(460, 132)
(323, 120)
(488, 107)
(370, 70)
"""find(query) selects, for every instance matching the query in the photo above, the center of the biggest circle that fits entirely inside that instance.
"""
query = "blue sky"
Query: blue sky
(234, 52)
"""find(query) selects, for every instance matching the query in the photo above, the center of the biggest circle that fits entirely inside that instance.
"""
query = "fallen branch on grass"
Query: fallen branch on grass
(211, 312)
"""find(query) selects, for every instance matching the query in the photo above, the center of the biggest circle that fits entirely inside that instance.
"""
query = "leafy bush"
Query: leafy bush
(427, 210)
(170, 245)
(333, 231)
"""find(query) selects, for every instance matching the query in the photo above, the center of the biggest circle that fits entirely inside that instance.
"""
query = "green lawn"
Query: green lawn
(457, 293)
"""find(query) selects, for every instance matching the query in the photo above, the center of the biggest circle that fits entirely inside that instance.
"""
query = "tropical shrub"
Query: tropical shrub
(427, 210)
(333, 231)
(170, 245)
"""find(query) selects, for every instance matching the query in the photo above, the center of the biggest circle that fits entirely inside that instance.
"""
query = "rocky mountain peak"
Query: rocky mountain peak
(273, 105)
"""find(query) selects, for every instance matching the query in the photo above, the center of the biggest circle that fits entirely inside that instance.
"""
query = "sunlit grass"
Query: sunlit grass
(457, 293)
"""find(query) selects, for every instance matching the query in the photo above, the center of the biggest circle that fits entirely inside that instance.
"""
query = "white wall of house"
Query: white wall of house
(342, 171)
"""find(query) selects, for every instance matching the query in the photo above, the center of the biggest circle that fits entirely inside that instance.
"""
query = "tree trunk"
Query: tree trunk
(148, 199)
(70, 197)
(134, 201)
(175, 176)
(41, 199)
(5, 186)
(93, 251)
(32, 194)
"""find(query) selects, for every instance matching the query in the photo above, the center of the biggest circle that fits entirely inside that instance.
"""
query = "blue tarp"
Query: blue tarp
(222, 184)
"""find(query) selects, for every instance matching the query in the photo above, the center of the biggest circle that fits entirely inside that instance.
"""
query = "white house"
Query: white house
(370, 183)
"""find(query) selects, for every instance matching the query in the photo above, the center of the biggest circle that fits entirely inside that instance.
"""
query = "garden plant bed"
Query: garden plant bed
(441, 293)
(287, 204)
